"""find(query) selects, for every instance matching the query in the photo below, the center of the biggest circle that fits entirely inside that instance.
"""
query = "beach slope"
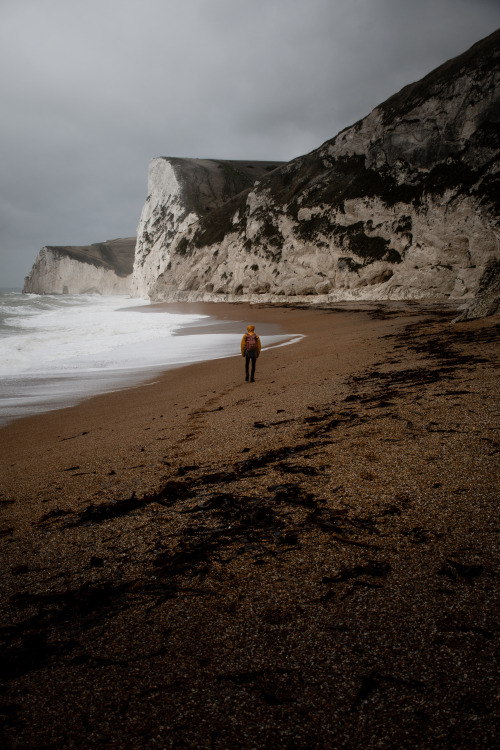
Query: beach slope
(309, 560)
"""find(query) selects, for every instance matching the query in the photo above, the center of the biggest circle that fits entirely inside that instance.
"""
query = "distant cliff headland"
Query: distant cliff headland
(403, 204)
(102, 268)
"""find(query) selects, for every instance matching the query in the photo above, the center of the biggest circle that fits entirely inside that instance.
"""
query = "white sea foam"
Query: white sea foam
(53, 335)
(57, 350)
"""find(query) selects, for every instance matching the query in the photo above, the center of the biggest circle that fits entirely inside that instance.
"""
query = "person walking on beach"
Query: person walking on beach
(250, 349)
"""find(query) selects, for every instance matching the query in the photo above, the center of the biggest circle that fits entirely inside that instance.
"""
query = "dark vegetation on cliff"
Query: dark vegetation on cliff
(209, 183)
(114, 255)
(445, 163)
(480, 58)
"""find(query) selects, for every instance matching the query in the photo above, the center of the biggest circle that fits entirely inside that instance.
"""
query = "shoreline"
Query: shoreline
(308, 558)
(99, 411)
(29, 394)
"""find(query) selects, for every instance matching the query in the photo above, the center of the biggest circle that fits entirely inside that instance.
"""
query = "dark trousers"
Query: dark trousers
(249, 358)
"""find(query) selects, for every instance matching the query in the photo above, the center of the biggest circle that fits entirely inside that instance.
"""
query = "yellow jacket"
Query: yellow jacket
(244, 341)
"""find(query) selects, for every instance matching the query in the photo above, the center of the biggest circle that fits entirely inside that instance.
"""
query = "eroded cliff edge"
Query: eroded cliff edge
(102, 268)
(180, 193)
(402, 205)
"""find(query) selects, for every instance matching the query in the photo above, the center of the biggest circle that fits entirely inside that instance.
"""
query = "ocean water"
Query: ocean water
(56, 350)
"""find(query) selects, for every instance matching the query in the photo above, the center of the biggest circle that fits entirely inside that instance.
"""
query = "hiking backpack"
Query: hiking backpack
(251, 346)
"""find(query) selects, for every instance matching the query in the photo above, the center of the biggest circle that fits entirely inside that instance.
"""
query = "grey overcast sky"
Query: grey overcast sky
(91, 90)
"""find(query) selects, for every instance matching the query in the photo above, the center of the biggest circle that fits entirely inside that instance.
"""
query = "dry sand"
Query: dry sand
(309, 560)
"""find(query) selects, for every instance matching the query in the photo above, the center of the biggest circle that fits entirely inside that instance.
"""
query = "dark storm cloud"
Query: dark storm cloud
(91, 91)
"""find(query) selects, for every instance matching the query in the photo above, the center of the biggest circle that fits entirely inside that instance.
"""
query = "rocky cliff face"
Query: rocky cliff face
(403, 204)
(103, 268)
(487, 300)
(180, 193)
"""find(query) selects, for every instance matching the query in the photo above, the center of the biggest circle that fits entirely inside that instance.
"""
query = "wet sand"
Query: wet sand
(309, 560)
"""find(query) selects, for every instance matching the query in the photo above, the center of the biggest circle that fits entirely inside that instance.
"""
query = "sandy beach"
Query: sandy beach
(307, 561)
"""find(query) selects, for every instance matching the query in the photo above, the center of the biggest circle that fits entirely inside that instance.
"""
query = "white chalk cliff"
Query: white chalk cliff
(180, 193)
(102, 268)
(402, 205)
